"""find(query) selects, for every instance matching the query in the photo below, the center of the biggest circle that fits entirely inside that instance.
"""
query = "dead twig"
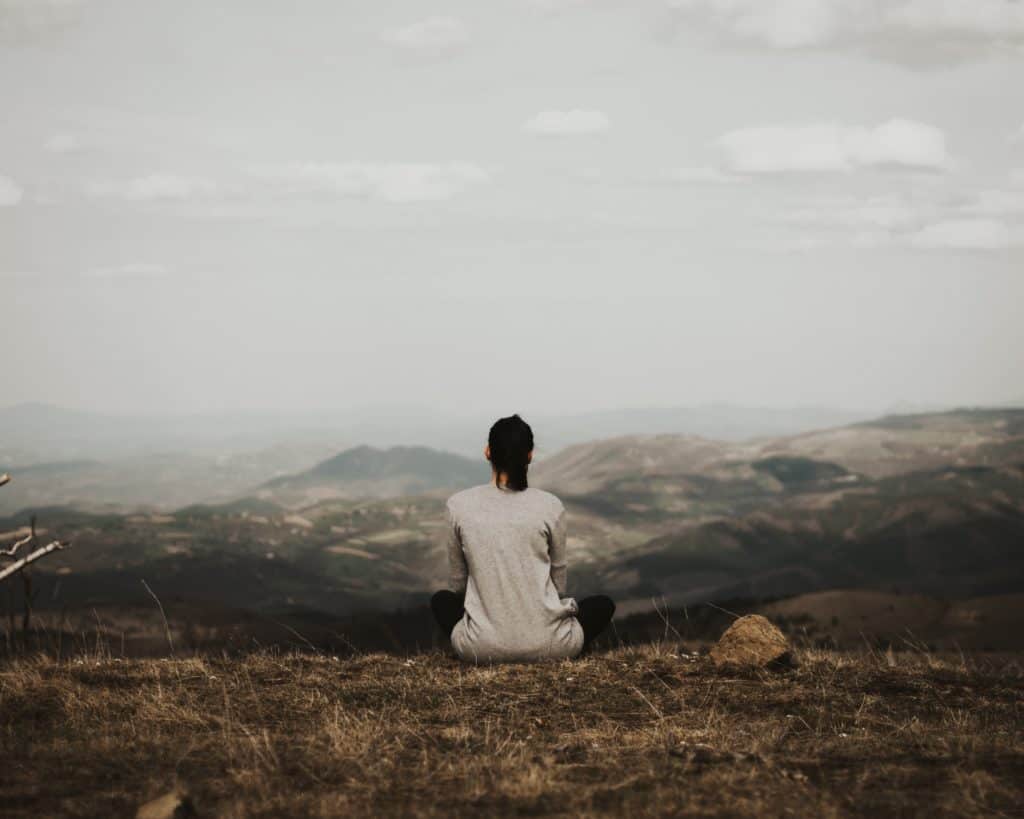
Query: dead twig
(665, 618)
(167, 627)
(18, 565)
(293, 631)
(29, 538)
(715, 606)
(11, 551)
(653, 707)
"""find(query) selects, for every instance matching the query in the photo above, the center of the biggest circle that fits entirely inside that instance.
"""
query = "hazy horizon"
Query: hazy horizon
(547, 206)
(369, 407)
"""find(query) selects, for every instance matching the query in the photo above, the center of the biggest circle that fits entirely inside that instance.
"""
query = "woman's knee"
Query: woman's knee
(602, 604)
(446, 604)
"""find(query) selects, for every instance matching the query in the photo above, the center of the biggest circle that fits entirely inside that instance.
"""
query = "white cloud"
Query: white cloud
(433, 37)
(850, 221)
(995, 203)
(558, 5)
(703, 175)
(925, 219)
(22, 20)
(881, 214)
(381, 181)
(781, 242)
(386, 182)
(988, 19)
(131, 270)
(778, 23)
(589, 174)
(829, 147)
(10, 192)
(798, 244)
(61, 143)
(966, 234)
(156, 186)
(886, 213)
(793, 24)
(567, 123)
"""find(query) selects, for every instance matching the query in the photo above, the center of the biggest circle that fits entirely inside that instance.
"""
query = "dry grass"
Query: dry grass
(640, 731)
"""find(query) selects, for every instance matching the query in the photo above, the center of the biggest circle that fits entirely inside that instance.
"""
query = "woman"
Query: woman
(506, 556)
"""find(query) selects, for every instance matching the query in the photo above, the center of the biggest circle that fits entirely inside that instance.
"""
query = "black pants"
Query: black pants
(595, 613)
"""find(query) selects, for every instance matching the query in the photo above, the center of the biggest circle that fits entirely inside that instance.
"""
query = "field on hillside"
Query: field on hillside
(635, 731)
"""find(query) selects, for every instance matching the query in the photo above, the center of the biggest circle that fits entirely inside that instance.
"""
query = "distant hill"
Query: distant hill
(948, 533)
(928, 504)
(905, 443)
(590, 466)
(882, 447)
(161, 481)
(125, 461)
(365, 471)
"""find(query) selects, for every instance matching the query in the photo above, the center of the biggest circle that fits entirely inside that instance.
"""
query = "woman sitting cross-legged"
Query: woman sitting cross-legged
(507, 562)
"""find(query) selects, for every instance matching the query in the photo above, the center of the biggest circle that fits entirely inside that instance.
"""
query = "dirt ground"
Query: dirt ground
(635, 731)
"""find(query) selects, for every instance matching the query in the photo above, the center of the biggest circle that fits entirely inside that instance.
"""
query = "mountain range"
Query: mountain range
(924, 503)
(124, 462)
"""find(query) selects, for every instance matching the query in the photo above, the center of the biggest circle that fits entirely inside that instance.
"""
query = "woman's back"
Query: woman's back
(506, 548)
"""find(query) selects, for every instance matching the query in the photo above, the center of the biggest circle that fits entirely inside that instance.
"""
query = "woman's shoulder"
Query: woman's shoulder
(542, 498)
(464, 495)
(549, 499)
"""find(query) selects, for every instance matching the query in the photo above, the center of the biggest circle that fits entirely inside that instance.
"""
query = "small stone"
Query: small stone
(173, 805)
(751, 641)
(699, 754)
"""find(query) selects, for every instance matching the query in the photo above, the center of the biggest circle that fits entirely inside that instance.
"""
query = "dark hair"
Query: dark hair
(510, 441)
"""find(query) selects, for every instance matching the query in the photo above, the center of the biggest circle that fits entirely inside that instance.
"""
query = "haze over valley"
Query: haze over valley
(118, 461)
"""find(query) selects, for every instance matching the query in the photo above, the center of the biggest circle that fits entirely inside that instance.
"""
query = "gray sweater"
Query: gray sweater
(506, 550)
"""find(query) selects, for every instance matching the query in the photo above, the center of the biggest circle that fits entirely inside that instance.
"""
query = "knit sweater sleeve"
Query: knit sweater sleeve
(458, 571)
(557, 552)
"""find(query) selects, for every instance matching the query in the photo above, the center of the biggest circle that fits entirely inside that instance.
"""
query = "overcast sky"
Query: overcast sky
(522, 206)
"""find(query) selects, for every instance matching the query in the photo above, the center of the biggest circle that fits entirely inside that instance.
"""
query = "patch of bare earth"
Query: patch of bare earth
(633, 732)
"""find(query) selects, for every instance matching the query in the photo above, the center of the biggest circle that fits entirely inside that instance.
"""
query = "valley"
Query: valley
(930, 504)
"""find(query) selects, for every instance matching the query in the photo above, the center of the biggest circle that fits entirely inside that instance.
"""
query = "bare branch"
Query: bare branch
(43, 551)
(13, 550)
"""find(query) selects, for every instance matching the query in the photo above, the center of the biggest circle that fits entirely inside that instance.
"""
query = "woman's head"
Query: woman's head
(509, 449)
